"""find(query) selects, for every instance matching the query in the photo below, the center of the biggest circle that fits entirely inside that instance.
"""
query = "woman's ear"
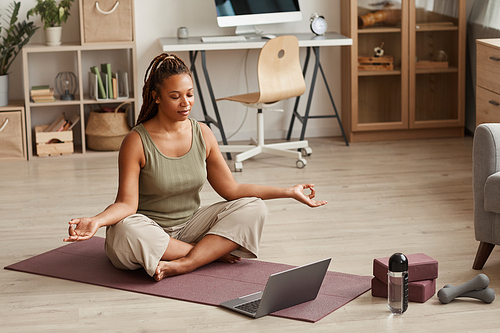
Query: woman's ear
(156, 97)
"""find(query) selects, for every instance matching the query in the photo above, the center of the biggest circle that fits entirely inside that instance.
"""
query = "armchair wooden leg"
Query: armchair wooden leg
(483, 252)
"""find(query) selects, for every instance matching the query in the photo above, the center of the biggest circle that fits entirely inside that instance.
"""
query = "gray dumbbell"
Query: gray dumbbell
(446, 295)
(486, 295)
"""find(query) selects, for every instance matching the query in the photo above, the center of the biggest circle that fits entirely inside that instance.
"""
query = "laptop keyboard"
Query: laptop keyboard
(250, 307)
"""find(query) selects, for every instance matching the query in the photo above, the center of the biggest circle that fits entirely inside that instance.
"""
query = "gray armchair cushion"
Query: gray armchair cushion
(492, 193)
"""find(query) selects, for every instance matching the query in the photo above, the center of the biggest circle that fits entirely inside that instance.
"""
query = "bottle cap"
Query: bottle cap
(398, 263)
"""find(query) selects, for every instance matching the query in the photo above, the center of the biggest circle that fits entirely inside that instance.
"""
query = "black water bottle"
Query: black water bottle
(398, 283)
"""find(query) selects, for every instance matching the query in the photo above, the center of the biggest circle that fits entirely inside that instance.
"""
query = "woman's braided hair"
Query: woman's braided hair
(161, 68)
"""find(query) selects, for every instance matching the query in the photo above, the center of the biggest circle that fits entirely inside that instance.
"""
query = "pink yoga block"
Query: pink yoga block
(418, 291)
(420, 267)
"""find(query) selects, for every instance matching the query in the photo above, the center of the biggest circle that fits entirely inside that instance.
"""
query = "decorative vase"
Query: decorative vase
(4, 90)
(53, 36)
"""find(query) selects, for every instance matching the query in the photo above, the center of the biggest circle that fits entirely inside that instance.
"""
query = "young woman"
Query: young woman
(156, 221)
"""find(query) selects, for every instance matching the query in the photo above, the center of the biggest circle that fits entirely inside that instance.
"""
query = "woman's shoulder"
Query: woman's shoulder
(132, 147)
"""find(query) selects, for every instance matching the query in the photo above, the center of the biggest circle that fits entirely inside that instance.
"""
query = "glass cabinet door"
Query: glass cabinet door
(382, 70)
(437, 62)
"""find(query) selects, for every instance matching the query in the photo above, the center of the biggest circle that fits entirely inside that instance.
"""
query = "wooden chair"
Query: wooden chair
(279, 77)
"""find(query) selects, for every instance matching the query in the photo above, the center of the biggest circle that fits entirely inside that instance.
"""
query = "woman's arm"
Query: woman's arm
(223, 182)
(130, 160)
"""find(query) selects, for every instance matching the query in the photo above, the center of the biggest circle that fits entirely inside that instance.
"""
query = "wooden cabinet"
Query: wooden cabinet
(12, 131)
(488, 81)
(422, 93)
(41, 65)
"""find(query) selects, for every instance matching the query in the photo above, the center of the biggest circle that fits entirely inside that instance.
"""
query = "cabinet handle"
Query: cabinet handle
(494, 103)
(103, 12)
(4, 124)
(495, 58)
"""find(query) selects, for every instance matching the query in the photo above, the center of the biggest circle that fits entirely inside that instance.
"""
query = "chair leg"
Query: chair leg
(483, 252)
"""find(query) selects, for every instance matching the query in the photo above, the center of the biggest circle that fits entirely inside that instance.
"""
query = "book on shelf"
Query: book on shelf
(115, 86)
(58, 123)
(40, 88)
(61, 124)
(102, 82)
(43, 99)
(122, 80)
(41, 91)
(106, 68)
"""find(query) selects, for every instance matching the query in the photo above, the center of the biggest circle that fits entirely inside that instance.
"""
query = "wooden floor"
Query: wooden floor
(409, 196)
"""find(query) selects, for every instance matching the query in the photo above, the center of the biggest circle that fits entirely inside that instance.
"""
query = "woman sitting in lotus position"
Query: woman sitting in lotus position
(156, 221)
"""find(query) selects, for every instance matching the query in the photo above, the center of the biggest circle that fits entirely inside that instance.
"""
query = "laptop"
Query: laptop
(283, 290)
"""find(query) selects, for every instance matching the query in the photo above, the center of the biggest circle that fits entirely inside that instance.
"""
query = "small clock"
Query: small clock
(318, 24)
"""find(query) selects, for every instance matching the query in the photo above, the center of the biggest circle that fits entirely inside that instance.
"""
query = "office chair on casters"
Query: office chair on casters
(279, 77)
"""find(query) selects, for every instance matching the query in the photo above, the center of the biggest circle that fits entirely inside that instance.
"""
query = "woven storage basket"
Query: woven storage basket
(105, 131)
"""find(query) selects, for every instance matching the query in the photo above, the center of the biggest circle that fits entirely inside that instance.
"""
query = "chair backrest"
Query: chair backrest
(278, 69)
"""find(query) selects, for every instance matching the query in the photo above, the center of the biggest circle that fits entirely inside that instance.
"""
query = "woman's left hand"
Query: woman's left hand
(299, 195)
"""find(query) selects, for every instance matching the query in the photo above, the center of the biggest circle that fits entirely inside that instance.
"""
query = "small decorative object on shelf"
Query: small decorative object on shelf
(52, 15)
(376, 63)
(379, 50)
(318, 24)
(386, 16)
(66, 85)
(439, 60)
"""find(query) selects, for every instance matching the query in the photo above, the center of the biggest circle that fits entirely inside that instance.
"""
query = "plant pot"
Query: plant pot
(53, 36)
(4, 90)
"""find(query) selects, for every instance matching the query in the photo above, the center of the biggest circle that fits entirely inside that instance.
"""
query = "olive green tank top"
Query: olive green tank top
(169, 187)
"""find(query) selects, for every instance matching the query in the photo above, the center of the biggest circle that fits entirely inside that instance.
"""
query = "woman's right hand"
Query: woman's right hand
(82, 229)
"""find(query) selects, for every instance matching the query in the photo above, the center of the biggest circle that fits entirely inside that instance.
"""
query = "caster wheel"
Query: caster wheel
(238, 167)
(301, 163)
(306, 151)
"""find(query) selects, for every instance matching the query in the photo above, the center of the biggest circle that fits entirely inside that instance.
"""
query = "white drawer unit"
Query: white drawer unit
(488, 81)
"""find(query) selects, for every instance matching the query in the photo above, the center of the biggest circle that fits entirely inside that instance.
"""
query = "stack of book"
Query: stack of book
(41, 94)
(62, 124)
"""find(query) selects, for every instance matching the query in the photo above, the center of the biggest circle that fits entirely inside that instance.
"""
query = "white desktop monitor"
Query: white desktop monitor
(245, 15)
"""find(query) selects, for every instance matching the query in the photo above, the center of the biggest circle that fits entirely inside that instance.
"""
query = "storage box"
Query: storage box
(420, 267)
(418, 291)
(11, 135)
(63, 146)
(107, 21)
(383, 63)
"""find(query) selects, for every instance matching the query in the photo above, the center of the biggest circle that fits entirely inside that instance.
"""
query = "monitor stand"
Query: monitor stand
(249, 31)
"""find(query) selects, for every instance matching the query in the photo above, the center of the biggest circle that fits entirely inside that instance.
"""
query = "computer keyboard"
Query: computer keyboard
(222, 39)
(250, 307)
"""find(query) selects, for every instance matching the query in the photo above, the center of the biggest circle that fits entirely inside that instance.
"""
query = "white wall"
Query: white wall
(161, 18)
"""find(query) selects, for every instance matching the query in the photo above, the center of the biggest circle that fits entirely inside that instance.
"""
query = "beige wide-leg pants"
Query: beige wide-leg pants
(137, 241)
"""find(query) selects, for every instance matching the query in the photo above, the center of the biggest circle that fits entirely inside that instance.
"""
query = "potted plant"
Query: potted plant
(12, 39)
(52, 16)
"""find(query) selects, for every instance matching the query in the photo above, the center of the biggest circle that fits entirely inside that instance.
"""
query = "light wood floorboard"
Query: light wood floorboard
(385, 197)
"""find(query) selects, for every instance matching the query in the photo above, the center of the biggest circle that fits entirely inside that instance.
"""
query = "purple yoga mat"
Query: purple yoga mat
(212, 284)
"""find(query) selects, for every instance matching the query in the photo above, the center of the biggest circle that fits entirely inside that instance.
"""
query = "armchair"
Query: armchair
(486, 190)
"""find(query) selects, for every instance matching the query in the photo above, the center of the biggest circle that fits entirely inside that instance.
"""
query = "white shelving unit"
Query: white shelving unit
(42, 63)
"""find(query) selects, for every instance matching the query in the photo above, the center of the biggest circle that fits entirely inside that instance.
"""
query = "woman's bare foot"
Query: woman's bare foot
(166, 269)
(229, 258)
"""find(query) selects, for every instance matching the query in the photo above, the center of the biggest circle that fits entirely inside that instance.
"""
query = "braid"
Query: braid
(161, 68)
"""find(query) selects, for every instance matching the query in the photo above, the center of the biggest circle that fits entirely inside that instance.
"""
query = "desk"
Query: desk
(308, 40)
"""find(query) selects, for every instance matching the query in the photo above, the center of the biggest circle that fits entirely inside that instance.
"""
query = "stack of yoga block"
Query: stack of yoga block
(422, 275)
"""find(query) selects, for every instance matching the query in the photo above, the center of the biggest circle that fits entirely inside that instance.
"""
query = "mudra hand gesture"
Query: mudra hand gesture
(299, 195)
(81, 229)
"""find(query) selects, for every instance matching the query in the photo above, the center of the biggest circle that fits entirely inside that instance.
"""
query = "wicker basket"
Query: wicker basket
(105, 131)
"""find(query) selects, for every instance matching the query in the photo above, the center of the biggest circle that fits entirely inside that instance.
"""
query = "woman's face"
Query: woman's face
(176, 97)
